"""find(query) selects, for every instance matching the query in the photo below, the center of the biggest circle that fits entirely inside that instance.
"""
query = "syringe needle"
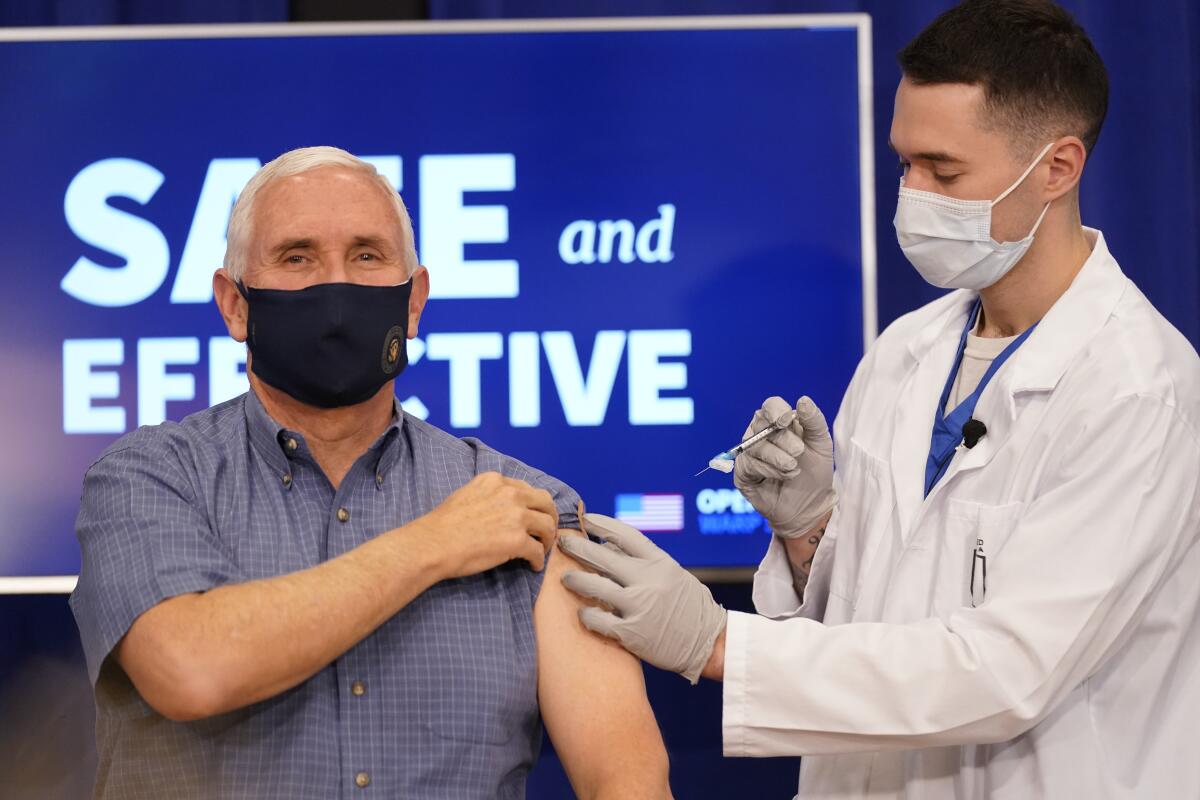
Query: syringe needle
(724, 461)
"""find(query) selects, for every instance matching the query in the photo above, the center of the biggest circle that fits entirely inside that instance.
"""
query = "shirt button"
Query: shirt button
(291, 444)
(362, 780)
(358, 689)
(343, 515)
(379, 479)
(287, 479)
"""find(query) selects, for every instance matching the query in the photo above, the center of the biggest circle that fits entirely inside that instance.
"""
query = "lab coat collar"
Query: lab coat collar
(1037, 366)
(1071, 322)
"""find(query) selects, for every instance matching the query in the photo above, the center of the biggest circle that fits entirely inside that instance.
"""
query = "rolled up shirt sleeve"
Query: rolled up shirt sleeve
(143, 539)
(566, 499)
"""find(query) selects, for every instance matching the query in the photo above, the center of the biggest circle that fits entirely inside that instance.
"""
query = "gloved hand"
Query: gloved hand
(789, 477)
(660, 612)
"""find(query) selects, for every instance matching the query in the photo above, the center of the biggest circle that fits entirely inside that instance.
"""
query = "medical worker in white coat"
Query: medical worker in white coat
(995, 595)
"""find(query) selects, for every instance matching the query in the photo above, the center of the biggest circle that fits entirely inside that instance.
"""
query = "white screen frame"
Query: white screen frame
(861, 23)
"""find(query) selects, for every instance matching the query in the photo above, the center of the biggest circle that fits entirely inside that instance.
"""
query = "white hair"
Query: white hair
(295, 162)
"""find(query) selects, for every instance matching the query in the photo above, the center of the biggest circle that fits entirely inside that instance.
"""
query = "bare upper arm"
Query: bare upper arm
(593, 699)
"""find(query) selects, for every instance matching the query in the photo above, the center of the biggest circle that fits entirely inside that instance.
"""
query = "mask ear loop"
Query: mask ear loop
(1038, 224)
(1024, 175)
(1019, 181)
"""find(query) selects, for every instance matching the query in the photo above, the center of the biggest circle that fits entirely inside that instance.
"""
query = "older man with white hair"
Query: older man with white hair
(305, 593)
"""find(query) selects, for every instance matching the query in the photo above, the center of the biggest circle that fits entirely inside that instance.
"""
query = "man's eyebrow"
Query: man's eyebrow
(939, 156)
(291, 244)
(308, 243)
(378, 242)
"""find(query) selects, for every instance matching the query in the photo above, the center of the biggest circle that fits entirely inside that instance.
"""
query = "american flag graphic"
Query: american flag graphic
(651, 513)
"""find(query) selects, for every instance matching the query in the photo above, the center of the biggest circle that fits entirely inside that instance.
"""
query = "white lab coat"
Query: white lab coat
(1078, 675)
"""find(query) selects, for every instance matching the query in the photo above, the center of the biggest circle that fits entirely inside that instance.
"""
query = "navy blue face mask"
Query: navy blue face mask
(329, 345)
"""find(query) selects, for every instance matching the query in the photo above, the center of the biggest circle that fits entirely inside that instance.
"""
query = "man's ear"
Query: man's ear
(233, 307)
(417, 299)
(1067, 158)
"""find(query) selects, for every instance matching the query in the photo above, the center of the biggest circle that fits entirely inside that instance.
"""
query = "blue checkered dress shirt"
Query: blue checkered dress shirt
(439, 702)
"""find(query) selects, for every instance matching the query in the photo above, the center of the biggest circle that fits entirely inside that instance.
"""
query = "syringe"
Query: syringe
(723, 462)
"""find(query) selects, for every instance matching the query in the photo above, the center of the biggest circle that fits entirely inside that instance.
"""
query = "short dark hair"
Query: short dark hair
(1040, 74)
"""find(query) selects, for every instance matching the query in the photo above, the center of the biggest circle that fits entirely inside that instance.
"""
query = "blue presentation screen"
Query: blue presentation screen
(633, 237)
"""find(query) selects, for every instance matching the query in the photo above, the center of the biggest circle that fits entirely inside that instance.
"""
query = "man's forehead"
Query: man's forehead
(937, 122)
(314, 184)
(323, 204)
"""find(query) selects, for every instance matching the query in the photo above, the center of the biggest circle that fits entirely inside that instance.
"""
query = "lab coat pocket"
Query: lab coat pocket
(975, 534)
(863, 519)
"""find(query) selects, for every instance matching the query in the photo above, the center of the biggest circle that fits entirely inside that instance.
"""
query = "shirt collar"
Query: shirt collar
(388, 445)
(278, 445)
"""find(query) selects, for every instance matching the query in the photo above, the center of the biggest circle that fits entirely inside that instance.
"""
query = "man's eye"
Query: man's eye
(367, 257)
(295, 259)
(945, 179)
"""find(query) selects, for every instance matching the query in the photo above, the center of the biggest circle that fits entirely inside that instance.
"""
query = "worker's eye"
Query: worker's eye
(946, 180)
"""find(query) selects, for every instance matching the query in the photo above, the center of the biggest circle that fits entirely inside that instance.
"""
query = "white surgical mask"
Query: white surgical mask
(950, 242)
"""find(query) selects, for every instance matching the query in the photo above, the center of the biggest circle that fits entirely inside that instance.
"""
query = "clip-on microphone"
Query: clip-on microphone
(972, 431)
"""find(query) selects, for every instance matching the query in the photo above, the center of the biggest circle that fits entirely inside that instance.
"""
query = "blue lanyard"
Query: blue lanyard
(947, 428)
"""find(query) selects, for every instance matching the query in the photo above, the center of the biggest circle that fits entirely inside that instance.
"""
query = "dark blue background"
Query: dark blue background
(1142, 187)
(752, 135)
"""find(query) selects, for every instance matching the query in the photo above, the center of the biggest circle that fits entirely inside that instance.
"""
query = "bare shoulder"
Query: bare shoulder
(593, 699)
(556, 613)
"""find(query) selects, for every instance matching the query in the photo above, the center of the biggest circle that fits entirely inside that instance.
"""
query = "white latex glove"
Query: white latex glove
(789, 477)
(660, 612)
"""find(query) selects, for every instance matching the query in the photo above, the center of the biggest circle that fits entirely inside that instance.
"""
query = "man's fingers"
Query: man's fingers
(600, 621)
(597, 557)
(772, 409)
(533, 552)
(770, 454)
(758, 423)
(787, 441)
(549, 541)
(594, 587)
(750, 468)
(622, 534)
(542, 527)
(532, 496)
(508, 481)
(787, 438)
(540, 500)
(811, 421)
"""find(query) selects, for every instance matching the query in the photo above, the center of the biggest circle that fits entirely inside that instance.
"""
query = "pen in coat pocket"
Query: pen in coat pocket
(978, 574)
